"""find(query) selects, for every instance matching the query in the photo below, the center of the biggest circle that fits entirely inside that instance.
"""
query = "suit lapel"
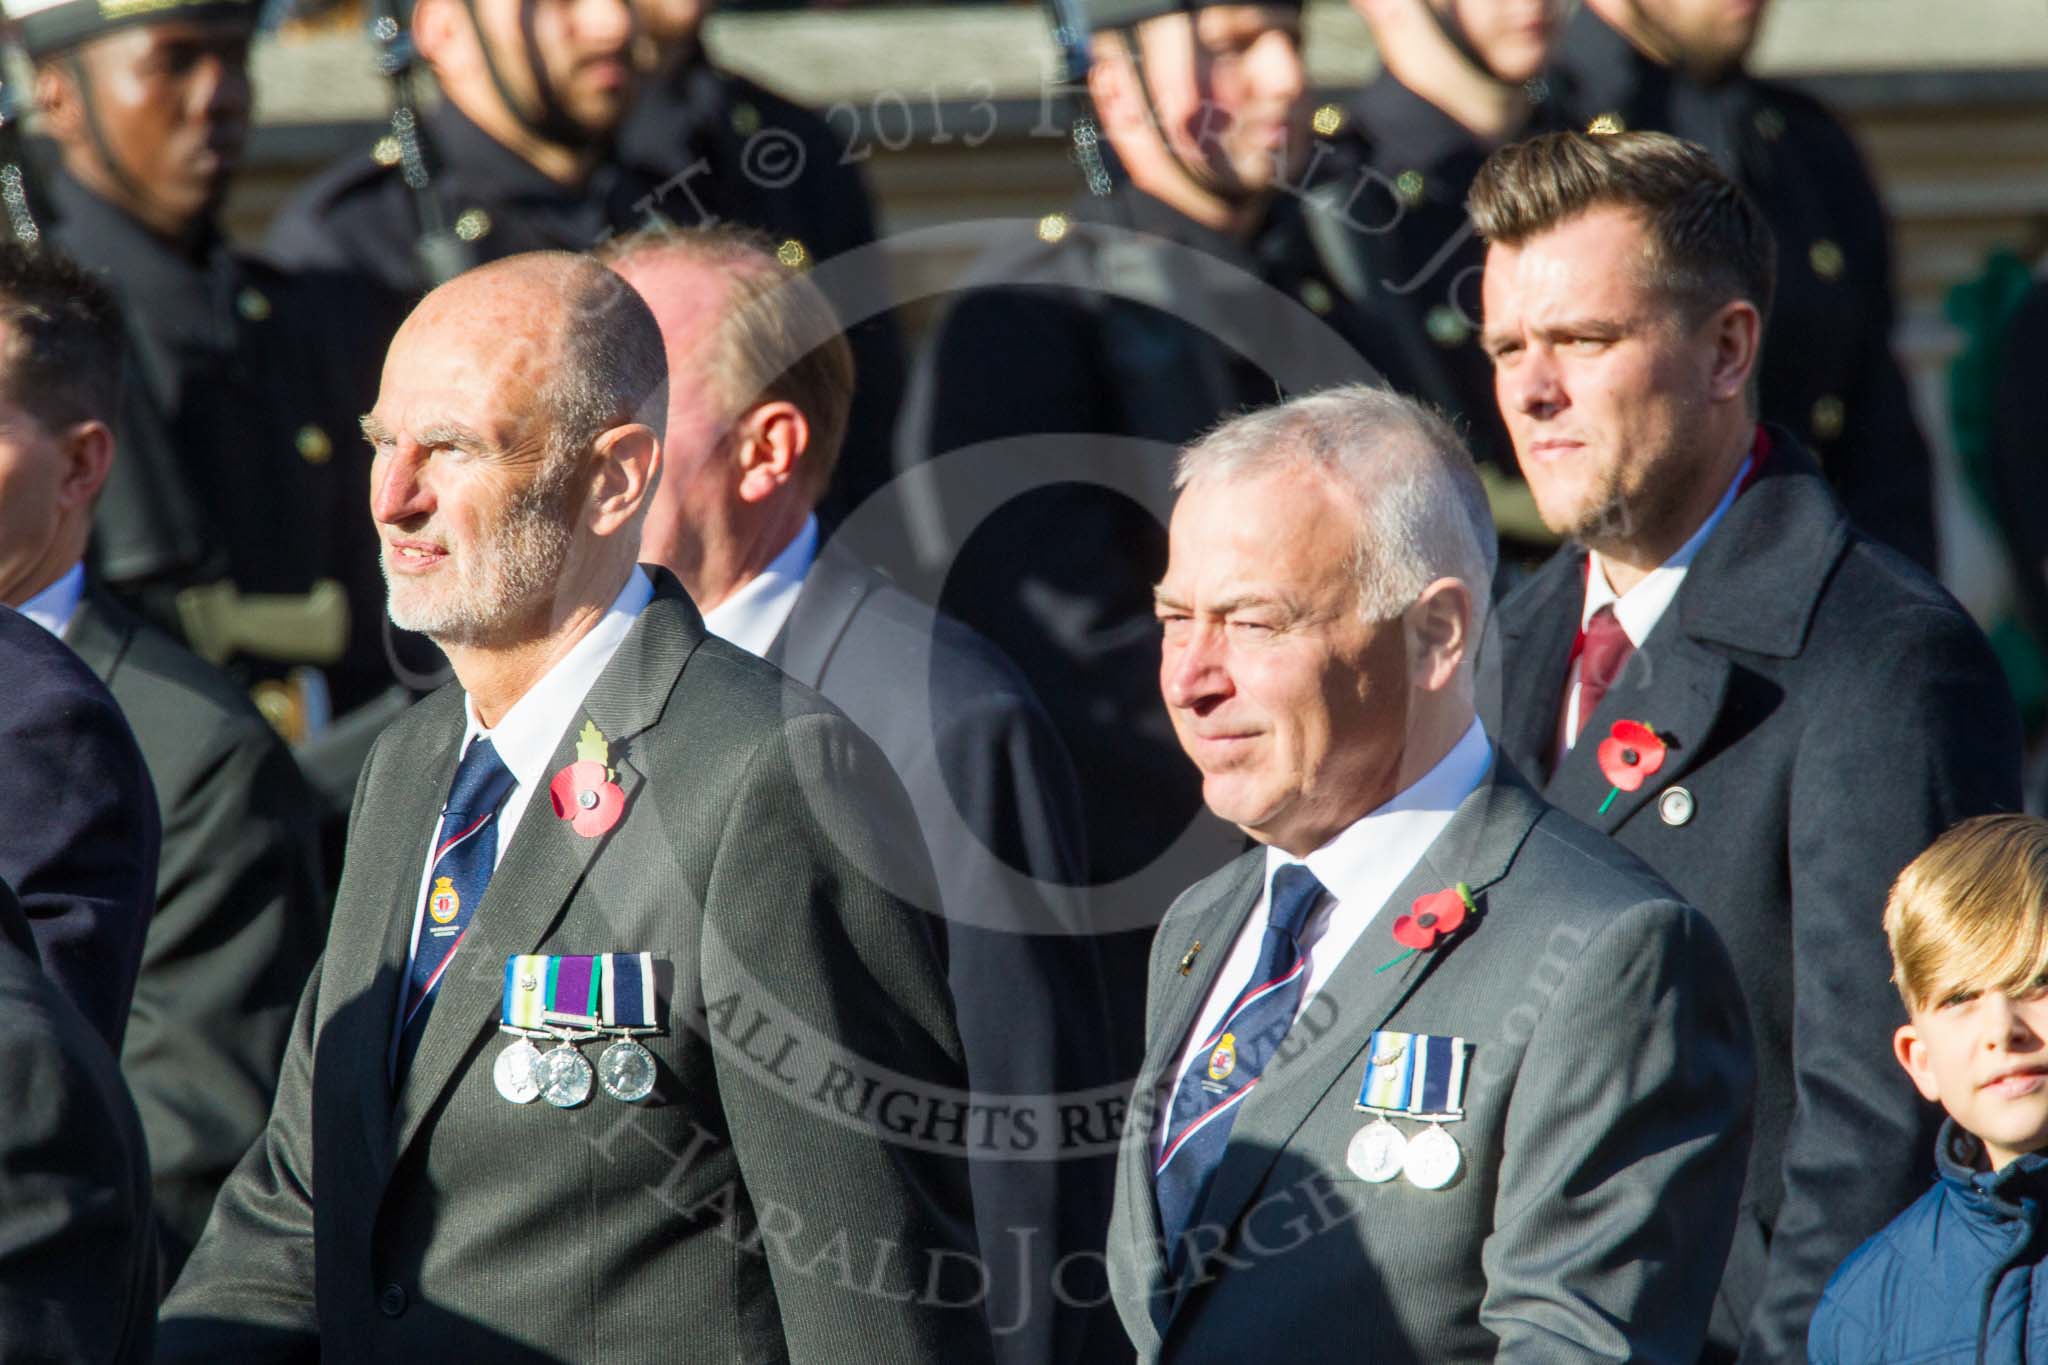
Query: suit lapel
(97, 637)
(1538, 625)
(832, 592)
(1674, 685)
(1476, 847)
(538, 874)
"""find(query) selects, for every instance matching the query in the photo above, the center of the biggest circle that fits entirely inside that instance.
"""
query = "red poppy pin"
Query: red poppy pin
(1631, 753)
(584, 793)
(1430, 920)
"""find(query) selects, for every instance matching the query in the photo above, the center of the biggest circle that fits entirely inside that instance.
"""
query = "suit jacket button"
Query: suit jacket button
(391, 1300)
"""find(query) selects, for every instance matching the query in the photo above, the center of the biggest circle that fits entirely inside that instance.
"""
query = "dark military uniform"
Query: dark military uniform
(701, 147)
(1392, 172)
(1118, 319)
(746, 154)
(245, 387)
(1828, 370)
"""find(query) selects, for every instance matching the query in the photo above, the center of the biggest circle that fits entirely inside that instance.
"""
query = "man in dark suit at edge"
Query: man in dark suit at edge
(1776, 712)
(759, 406)
(652, 845)
(239, 916)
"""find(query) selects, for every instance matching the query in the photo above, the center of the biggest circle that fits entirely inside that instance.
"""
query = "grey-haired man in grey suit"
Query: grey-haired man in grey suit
(689, 881)
(1437, 1073)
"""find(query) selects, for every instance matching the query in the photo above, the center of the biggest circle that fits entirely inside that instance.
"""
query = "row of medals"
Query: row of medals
(562, 1075)
(1379, 1152)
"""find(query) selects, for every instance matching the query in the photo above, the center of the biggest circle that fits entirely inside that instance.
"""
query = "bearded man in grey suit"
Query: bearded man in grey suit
(1438, 1073)
(648, 834)
(761, 389)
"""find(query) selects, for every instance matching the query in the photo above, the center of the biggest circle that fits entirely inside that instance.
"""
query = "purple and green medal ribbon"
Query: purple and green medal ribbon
(605, 990)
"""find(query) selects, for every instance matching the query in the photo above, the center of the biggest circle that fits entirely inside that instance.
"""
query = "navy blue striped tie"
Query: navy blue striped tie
(465, 853)
(1227, 1065)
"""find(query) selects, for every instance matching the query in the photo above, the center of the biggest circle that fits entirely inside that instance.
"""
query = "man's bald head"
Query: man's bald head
(564, 334)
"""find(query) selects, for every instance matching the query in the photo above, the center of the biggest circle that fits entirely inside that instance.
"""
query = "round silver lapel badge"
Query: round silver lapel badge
(1676, 805)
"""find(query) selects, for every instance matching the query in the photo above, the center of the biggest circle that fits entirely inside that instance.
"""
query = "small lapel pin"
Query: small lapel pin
(1676, 805)
(1187, 960)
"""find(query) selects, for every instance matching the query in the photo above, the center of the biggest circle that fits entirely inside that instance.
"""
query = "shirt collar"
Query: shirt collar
(755, 614)
(1354, 859)
(54, 606)
(526, 735)
(1641, 607)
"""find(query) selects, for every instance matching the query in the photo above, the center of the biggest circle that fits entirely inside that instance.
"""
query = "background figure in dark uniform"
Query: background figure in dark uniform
(519, 148)
(1188, 291)
(1829, 374)
(1456, 81)
(747, 154)
(243, 382)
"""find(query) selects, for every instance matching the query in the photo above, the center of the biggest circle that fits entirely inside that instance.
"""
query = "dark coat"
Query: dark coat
(1604, 1133)
(239, 916)
(743, 1210)
(1829, 710)
(78, 823)
(996, 802)
(1957, 1279)
(1828, 373)
(78, 1272)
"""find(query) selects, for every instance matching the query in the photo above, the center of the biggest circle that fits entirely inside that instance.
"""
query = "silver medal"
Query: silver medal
(1432, 1159)
(514, 1072)
(626, 1071)
(1375, 1152)
(563, 1075)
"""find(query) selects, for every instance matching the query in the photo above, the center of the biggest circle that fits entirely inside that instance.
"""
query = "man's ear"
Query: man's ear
(59, 102)
(88, 454)
(628, 467)
(1438, 625)
(1738, 331)
(437, 26)
(1911, 1051)
(1112, 80)
(769, 441)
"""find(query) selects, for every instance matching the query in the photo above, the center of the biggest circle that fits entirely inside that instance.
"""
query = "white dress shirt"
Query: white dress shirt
(526, 735)
(1640, 608)
(752, 617)
(54, 606)
(1359, 869)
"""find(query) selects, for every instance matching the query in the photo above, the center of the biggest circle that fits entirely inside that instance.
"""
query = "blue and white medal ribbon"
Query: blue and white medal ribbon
(1417, 1076)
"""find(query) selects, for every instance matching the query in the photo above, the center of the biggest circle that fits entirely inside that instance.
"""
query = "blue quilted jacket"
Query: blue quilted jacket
(1958, 1277)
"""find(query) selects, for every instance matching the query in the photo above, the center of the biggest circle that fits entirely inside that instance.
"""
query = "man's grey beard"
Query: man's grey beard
(502, 577)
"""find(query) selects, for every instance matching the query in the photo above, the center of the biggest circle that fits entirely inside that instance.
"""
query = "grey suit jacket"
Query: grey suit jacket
(239, 912)
(751, 1210)
(996, 801)
(1604, 1135)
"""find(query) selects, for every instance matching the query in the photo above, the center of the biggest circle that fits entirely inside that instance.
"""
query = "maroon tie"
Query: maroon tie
(1605, 654)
